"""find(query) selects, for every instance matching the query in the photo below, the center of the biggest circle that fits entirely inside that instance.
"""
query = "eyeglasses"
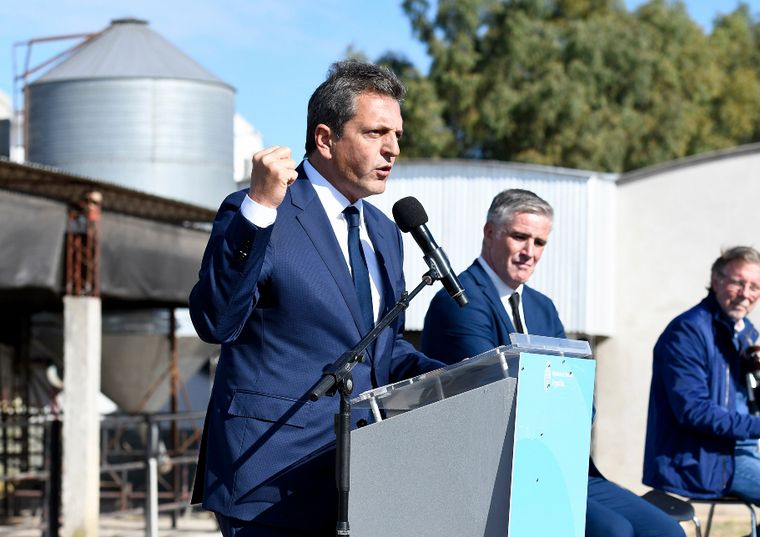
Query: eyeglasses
(737, 285)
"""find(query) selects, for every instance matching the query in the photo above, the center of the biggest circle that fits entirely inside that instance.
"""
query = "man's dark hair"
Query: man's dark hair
(510, 202)
(334, 101)
(735, 253)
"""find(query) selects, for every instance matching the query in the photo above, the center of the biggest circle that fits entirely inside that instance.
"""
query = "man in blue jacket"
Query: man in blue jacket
(701, 435)
(515, 234)
(297, 269)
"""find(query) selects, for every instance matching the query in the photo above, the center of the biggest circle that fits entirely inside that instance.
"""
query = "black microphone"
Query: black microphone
(411, 216)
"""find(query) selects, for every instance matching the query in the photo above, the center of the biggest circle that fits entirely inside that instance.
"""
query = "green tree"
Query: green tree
(736, 108)
(581, 83)
(578, 83)
(426, 135)
(682, 80)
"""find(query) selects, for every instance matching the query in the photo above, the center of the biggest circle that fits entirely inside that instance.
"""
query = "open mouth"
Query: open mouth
(384, 172)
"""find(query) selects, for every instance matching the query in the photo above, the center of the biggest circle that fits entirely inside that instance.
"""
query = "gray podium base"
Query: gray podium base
(442, 470)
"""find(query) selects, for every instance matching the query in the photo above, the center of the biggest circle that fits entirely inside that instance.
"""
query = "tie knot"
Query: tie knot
(514, 299)
(352, 216)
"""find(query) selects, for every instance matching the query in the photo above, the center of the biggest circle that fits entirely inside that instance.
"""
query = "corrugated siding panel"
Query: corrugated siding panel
(456, 196)
(172, 138)
(601, 255)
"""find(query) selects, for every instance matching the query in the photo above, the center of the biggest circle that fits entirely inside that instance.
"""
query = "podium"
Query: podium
(492, 446)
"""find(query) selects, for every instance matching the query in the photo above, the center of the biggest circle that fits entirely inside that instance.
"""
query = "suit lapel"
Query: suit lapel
(534, 321)
(387, 268)
(484, 282)
(316, 225)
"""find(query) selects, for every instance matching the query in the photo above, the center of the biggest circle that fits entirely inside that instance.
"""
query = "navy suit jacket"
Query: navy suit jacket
(452, 333)
(281, 302)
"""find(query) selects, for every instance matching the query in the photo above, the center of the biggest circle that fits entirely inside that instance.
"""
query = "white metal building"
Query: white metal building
(456, 195)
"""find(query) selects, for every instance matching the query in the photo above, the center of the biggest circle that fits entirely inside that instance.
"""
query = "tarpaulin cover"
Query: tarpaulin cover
(141, 260)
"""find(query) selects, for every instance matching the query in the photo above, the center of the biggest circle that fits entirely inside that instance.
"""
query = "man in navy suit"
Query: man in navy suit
(515, 234)
(276, 290)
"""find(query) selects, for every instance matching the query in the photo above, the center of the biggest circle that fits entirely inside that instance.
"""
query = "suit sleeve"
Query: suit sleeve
(681, 359)
(227, 288)
(408, 362)
(451, 333)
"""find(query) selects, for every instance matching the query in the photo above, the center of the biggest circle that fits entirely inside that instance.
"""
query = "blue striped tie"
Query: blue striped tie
(359, 270)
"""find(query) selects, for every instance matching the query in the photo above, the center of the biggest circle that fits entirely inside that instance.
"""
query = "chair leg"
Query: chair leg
(753, 519)
(697, 527)
(709, 519)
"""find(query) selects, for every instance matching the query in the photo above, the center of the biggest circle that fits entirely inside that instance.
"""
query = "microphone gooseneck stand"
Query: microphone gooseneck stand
(338, 378)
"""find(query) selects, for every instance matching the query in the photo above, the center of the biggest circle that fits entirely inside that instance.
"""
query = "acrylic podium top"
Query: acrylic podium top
(463, 376)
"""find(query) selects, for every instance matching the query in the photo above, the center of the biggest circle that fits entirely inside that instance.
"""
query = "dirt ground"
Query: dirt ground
(197, 524)
(728, 521)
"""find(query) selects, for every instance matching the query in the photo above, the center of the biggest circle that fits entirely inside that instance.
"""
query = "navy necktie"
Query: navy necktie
(359, 270)
(514, 302)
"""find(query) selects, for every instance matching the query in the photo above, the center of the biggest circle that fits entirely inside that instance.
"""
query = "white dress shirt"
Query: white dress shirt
(504, 291)
(333, 203)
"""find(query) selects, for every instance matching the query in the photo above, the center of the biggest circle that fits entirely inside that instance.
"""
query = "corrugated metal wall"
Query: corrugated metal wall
(577, 267)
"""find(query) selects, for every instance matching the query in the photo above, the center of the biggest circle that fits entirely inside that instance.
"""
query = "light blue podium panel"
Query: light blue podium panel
(551, 446)
(492, 446)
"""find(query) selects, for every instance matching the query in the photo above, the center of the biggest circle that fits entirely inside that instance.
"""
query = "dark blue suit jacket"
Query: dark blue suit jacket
(281, 303)
(452, 333)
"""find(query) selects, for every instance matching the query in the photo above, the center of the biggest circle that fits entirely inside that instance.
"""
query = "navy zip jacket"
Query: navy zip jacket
(693, 424)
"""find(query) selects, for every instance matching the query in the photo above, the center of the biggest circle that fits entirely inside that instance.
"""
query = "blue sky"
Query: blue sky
(273, 52)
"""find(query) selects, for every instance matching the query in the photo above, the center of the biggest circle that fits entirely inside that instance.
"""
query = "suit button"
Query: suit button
(361, 423)
(242, 252)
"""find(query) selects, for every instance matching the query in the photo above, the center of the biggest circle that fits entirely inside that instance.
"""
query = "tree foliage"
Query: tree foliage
(578, 83)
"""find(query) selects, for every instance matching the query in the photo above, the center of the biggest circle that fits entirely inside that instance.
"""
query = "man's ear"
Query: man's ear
(323, 138)
(714, 278)
(488, 230)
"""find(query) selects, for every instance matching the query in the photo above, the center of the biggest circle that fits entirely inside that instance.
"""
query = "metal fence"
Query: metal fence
(147, 465)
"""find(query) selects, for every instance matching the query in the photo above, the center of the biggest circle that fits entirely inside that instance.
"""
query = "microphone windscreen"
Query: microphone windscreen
(409, 214)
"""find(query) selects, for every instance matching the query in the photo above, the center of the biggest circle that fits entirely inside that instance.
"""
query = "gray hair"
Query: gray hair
(735, 253)
(510, 202)
(333, 103)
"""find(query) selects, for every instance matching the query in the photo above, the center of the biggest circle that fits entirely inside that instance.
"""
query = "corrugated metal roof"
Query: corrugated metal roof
(128, 49)
(576, 267)
(53, 183)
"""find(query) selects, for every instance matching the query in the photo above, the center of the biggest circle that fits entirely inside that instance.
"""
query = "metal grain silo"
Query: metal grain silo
(128, 107)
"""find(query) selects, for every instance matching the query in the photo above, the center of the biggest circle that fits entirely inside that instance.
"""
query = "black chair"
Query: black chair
(680, 510)
(683, 510)
(728, 500)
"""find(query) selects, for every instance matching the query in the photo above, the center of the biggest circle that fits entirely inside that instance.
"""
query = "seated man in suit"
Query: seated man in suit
(515, 234)
(297, 270)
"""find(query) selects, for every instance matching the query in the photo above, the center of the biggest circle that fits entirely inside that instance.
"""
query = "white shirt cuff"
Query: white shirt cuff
(257, 214)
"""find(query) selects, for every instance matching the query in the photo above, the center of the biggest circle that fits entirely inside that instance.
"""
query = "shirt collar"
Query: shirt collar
(333, 201)
(502, 289)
